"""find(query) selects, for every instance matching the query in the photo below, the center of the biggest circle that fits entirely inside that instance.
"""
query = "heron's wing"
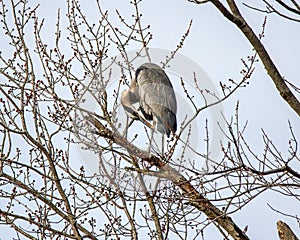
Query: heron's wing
(157, 97)
(155, 89)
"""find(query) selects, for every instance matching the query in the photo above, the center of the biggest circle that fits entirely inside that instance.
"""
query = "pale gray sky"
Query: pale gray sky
(217, 46)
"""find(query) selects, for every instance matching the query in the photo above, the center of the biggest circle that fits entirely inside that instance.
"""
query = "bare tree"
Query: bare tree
(232, 12)
(60, 102)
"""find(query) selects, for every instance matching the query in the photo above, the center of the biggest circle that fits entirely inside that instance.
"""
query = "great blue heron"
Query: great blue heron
(152, 89)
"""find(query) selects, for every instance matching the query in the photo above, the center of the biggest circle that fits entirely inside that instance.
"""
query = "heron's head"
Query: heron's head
(131, 95)
(127, 101)
(126, 98)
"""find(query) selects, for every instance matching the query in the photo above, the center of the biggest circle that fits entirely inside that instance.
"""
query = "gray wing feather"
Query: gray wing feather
(157, 97)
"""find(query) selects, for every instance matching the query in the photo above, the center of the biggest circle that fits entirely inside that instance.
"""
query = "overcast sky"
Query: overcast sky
(217, 46)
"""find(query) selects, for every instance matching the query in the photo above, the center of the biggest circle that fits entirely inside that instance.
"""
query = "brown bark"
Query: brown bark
(236, 17)
(285, 232)
(188, 191)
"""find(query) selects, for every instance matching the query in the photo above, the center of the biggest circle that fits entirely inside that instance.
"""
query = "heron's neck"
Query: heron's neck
(134, 90)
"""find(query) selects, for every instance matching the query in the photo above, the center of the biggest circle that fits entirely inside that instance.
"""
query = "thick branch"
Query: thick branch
(237, 18)
(285, 232)
(194, 197)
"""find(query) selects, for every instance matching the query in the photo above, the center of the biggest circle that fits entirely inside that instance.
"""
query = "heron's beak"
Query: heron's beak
(148, 124)
(142, 119)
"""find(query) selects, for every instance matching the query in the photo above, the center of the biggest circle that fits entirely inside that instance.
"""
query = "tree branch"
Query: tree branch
(285, 232)
(194, 197)
(237, 18)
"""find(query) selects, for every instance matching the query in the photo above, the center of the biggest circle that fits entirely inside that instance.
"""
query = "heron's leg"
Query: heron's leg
(151, 140)
(126, 127)
(128, 124)
(152, 135)
(162, 144)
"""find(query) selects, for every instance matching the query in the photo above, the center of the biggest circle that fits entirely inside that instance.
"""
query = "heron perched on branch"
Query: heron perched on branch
(152, 89)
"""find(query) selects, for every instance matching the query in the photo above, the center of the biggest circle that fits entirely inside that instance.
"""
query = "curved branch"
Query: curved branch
(293, 10)
(188, 190)
(237, 18)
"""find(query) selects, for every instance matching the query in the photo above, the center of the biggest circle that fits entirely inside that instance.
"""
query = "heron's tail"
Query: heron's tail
(167, 123)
